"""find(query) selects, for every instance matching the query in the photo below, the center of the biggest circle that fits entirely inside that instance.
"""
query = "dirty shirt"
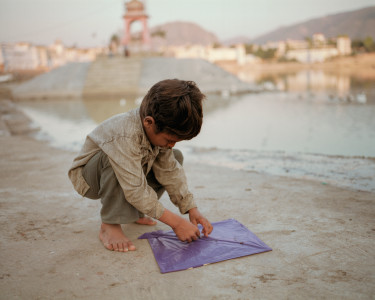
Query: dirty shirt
(131, 156)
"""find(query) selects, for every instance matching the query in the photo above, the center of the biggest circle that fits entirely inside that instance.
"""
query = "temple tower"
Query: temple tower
(135, 11)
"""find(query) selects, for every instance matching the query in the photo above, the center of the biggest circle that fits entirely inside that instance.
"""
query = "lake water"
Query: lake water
(303, 125)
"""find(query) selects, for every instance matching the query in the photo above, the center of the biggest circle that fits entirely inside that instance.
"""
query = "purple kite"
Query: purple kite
(229, 239)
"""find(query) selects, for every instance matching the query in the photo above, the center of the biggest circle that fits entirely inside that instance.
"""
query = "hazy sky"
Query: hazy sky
(92, 22)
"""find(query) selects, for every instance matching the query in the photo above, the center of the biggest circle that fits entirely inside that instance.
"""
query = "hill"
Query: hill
(356, 24)
(181, 33)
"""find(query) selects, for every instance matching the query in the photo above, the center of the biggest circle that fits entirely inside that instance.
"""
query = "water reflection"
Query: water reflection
(337, 86)
(100, 109)
(73, 110)
(287, 122)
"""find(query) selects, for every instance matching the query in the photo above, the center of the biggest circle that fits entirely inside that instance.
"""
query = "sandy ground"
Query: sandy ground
(322, 236)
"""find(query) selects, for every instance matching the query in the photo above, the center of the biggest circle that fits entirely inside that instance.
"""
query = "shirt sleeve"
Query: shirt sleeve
(171, 175)
(125, 157)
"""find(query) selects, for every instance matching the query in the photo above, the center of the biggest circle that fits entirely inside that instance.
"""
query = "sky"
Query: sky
(89, 23)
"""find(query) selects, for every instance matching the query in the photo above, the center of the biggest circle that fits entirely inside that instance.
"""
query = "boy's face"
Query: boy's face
(161, 139)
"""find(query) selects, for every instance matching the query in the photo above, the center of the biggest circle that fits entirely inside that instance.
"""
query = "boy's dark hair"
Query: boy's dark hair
(176, 106)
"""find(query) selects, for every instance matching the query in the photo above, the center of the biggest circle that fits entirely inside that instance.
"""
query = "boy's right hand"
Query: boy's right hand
(186, 231)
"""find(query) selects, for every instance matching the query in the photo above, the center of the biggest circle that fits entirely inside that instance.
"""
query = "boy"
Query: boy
(128, 162)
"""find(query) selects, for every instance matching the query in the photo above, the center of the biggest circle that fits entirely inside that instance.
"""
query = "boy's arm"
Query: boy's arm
(171, 175)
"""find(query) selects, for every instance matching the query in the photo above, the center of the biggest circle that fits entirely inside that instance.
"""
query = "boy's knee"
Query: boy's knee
(178, 156)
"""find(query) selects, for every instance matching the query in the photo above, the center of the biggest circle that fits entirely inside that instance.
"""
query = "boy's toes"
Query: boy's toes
(109, 247)
(114, 239)
(130, 247)
(121, 247)
(125, 247)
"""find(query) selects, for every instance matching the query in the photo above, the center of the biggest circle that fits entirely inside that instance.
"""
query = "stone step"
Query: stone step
(209, 77)
(112, 76)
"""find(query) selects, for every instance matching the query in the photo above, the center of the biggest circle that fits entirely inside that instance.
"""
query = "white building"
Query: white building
(344, 45)
(25, 56)
(213, 54)
(19, 56)
(312, 55)
(319, 39)
(297, 44)
(319, 51)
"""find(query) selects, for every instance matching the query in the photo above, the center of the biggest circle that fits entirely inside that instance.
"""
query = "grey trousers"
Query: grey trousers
(101, 178)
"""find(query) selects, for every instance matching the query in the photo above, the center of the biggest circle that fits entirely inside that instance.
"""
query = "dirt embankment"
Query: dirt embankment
(13, 121)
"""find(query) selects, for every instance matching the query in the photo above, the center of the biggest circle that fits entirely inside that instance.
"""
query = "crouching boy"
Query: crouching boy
(128, 162)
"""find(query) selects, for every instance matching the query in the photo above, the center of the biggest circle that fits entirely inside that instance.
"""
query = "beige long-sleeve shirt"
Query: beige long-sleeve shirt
(132, 156)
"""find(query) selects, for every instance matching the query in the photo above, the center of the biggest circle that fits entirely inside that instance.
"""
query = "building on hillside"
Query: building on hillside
(317, 51)
(344, 45)
(296, 44)
(43, 58)
(212, 54)
(19, 56)
(236, 53)
(282, 47)
(81, 55)
(313, 55)
(318, 39)
(25, 56)
(57, 54)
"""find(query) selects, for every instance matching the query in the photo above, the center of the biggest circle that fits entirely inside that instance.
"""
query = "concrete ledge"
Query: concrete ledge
(120, 76)
(63, 82)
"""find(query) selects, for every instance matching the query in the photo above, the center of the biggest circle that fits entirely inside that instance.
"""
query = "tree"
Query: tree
(249, 48)
(366, 45)
(309, 41)
(265, 54)
(369, 44)
(159, 32)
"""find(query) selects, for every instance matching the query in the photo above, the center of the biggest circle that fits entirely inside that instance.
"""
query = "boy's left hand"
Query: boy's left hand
(196, 218)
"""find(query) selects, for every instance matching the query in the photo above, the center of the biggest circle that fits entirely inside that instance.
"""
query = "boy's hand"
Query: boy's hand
(186, 231)
(196, 218)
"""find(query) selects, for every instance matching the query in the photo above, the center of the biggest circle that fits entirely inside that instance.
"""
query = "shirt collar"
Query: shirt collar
(145, 143)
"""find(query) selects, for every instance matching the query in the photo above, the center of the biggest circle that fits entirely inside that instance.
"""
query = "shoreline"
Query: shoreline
(347, 172)
(351, 172)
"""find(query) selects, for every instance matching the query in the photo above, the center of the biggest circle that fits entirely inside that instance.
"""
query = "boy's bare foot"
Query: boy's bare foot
(146, 221)
(113, 238)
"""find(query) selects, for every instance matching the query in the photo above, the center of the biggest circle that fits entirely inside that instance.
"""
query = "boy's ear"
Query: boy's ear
(148, 121)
